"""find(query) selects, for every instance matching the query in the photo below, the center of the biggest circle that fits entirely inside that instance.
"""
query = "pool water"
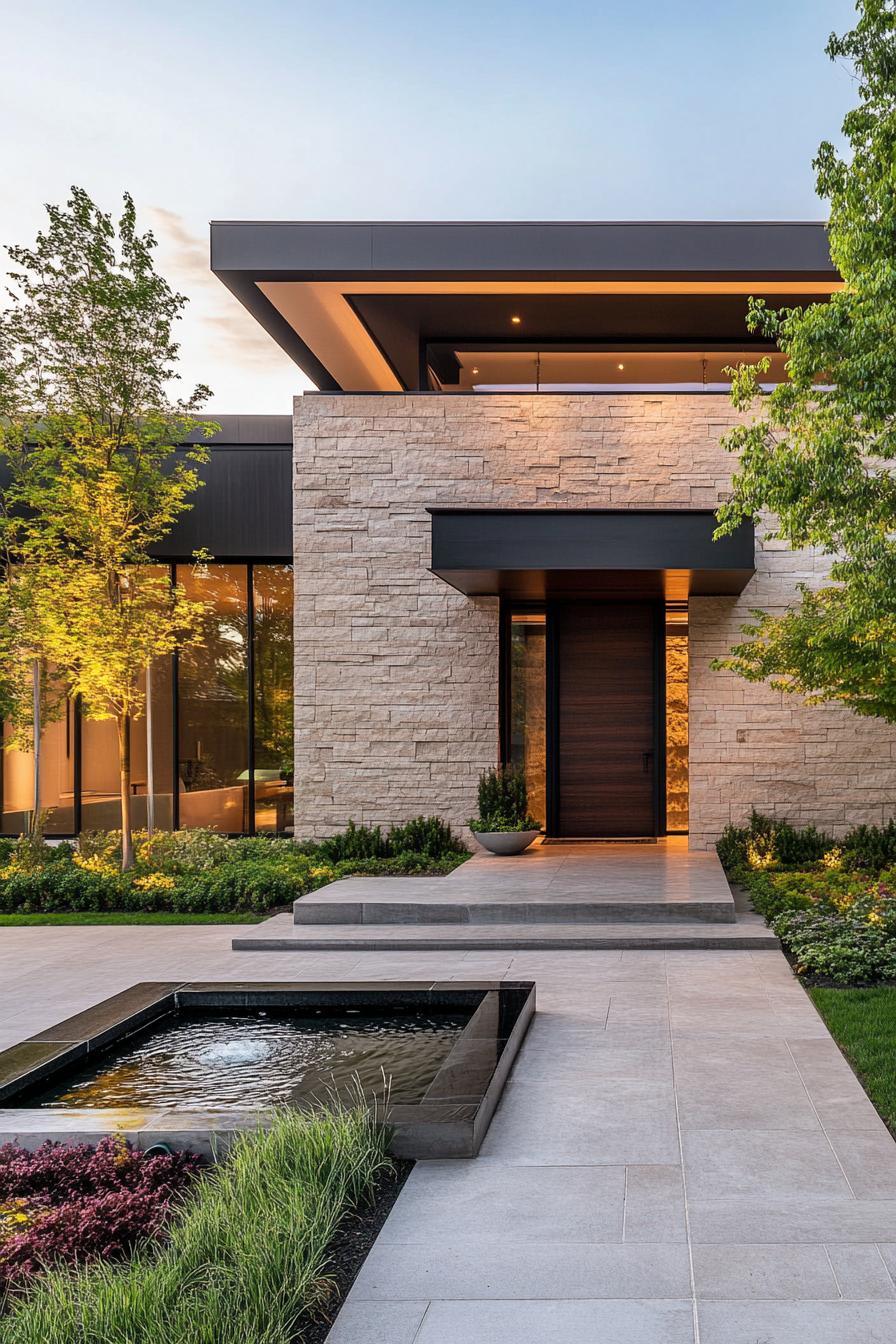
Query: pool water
(261, 1058)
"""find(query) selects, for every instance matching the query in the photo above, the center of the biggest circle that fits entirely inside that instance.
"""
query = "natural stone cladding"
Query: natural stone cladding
(397, 674)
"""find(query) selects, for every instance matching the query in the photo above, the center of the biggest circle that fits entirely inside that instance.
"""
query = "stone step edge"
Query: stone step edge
(439, 938)
(482, 914)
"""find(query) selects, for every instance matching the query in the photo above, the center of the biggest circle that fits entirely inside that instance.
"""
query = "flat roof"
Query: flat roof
(353, 303)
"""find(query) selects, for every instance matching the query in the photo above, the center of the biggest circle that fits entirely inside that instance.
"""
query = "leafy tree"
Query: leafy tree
(89, 435)
(816, 462)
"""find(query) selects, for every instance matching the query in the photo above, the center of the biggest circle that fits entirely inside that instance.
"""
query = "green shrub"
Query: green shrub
(503, 801)
(774, 892)
(246, 1257)
(770, 842)
(355, 842)
(871, 848)
(854, 947)
(61, 886)
(401, 865)
(426, 835)
(202, 872)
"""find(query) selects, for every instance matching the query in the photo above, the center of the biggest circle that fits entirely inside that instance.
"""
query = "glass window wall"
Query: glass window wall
(225, 726)
(273, 701)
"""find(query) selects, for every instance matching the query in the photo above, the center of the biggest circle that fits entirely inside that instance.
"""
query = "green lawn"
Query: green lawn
(137, 917)
(863, 1023)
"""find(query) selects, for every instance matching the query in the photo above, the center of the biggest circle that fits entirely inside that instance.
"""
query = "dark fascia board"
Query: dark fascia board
(637, 249)
(242, 430)
(513, 551)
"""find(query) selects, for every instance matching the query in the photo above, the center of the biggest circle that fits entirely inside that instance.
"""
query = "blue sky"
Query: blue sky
(693, 110)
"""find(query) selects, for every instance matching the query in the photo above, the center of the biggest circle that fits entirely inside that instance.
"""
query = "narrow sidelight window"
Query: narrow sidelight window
(526, 740)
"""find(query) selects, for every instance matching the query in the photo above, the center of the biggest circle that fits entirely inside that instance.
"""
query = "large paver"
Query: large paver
(681, 1155)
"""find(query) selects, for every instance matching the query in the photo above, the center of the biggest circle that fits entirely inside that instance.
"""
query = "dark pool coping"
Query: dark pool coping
(450, 1121)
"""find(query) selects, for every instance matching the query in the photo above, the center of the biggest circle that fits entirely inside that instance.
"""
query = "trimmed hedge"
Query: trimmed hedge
(201, 872)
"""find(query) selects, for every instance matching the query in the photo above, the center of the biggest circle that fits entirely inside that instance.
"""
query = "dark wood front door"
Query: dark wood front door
(604, 671)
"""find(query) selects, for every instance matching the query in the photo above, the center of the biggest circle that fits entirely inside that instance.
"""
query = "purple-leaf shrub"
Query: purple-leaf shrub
(71, 1204)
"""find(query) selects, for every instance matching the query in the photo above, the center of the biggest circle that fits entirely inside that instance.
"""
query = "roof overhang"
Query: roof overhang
(352, 303)
(536, 554)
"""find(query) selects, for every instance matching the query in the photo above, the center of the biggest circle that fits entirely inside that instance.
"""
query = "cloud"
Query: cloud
(214, 319)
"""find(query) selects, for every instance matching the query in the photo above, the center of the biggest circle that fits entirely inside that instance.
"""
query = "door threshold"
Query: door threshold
(599, 840)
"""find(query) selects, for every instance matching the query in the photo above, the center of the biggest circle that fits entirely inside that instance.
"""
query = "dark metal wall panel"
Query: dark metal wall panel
(244, 509)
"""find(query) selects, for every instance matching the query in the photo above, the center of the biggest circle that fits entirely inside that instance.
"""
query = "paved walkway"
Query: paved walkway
(681, 1156)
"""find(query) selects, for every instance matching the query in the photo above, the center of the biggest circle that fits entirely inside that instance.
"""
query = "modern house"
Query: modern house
(500, 518)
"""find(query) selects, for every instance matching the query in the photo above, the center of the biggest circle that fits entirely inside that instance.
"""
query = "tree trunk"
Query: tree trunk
(34, 828)
(150, 758)
(124, 762)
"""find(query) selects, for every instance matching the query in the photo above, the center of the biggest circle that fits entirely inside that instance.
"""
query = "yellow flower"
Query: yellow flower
(322, 873)
(833, 858)
(95, 863)
(155, 882)
(874, 917)
(760, 853)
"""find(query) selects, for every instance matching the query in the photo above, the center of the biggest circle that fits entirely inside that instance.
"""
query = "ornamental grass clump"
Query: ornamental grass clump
(245, 1258)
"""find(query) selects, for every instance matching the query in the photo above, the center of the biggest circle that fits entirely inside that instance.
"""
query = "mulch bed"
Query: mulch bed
(349, 1248)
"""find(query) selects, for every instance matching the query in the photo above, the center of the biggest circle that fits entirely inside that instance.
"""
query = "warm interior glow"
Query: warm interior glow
(321, 313)
(676, 720)
(691, 370)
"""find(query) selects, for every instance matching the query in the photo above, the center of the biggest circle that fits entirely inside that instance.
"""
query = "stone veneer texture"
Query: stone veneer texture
(396, 674)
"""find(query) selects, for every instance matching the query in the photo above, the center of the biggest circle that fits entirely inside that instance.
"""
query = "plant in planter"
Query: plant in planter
(504, 824)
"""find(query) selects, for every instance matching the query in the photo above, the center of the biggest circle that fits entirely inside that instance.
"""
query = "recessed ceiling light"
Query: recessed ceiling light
(516, 320)
(475, 370)
(620, 366)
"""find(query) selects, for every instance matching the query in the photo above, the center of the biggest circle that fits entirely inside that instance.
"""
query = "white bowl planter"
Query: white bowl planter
(505, 842)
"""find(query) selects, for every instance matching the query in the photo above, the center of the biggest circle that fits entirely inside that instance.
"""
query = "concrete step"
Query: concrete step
(280, 934)
(429, 910)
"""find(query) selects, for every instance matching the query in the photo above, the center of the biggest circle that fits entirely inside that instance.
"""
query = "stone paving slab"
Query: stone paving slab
(680, 1147)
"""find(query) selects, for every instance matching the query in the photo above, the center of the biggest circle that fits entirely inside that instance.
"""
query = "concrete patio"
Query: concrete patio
(681, 1155)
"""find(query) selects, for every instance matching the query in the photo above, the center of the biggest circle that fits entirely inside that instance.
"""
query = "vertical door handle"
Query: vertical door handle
(646, 761)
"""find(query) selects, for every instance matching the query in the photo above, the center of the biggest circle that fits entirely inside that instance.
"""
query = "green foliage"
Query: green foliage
(817, 466)
(406, 864)
(871, 848)
(771, 842)
(856, 946)
(355, 842)
(768, 842)
(246, 1258)
(427, 836)
(193, 872)
(503, 801)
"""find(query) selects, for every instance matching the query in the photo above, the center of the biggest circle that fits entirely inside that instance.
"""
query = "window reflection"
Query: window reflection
(213, 704)
(208, 775)
(272, 663)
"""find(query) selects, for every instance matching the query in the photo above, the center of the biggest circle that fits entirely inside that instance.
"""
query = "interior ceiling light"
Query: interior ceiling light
(475, 370)
(516, 320)
(620, 366)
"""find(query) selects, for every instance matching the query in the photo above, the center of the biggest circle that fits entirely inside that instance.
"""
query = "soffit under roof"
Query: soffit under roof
(351, 303)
